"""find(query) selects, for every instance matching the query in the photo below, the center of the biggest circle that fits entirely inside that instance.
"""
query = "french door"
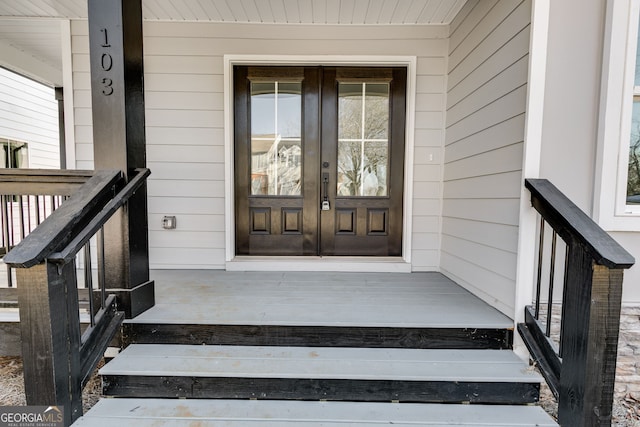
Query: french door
(319, 160)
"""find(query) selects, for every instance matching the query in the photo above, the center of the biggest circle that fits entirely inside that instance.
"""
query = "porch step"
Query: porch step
(319, 336)
(321, 373)
(318, 309)
(237, 413)
(328, 349)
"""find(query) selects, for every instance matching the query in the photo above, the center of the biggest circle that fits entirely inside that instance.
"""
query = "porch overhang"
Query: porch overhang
(32, 32)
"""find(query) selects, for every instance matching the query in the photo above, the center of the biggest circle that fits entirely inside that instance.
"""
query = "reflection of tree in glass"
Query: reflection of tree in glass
(349, 159)
(353, 158)
(633, 179)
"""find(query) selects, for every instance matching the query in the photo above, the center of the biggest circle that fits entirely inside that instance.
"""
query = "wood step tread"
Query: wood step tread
(416, 300)
(235, 413)
(320, 363)
(295, 313)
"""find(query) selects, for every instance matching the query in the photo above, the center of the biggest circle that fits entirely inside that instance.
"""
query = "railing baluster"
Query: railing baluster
(29, 213)
(5, 235)
(37, 199)
(540, 258)
(552, 269)
(22, 229)
(12, 239)
(5, 223)
(564, 302)
(2, 221)
(101, 266)
(88, 281)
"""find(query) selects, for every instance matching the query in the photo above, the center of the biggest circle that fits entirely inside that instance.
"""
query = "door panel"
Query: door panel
(363, 151)
(276, 129)
(312, 138)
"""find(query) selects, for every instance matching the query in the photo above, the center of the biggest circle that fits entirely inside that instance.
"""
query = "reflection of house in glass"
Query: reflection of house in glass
(275, 166)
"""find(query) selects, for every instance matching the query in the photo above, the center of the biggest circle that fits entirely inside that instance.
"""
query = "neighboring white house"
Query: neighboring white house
(29, 128)
(496, 91)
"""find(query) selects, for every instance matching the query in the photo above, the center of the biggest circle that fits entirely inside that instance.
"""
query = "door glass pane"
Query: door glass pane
(276, 129)
(637, 79)
(633, 179)
(363, 139)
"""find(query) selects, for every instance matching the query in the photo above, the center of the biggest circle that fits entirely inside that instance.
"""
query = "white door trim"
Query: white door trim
(348, 263)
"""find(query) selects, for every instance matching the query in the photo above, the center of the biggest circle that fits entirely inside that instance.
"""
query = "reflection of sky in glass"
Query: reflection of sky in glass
(635, 124)
(263, 112)
(263, 109)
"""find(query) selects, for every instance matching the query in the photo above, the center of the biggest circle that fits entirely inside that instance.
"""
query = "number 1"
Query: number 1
(106, 38)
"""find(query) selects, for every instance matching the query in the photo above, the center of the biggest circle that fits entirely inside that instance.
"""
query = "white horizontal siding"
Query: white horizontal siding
(29, 113)
(184, 94)
(429, 140)
(206, 223)
(486, 98)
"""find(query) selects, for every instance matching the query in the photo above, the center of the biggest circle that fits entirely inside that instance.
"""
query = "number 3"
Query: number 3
(108, 86)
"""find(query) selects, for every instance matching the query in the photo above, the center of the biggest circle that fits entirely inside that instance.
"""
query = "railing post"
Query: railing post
(50, 337)
(591, 323)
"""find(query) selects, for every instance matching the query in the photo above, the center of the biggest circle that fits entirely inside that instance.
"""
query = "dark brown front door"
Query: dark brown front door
(319, 160)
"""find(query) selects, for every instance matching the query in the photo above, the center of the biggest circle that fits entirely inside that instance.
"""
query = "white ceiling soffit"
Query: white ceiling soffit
(259, 11)
(32, 48)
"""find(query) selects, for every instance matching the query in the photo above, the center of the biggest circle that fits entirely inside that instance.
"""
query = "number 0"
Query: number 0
(106, 62)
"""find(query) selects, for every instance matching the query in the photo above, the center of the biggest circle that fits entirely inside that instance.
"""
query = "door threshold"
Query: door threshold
(317, 263)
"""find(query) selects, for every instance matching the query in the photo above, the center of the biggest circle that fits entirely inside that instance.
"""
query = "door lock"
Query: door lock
(325, 188)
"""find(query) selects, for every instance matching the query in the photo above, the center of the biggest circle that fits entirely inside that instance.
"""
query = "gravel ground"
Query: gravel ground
(626, 409)
(12, 385)
(626, 400)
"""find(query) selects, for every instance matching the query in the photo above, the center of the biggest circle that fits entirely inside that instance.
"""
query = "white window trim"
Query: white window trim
(618, 75)
(328, 60)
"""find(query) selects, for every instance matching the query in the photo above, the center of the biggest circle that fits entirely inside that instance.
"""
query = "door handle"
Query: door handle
(325, 192)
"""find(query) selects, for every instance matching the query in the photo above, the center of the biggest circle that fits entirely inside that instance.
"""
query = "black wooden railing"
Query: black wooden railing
(579, 363)
(27, 197)
(58, 358)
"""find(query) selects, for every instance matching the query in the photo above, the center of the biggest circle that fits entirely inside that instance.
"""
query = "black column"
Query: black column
(117, 94)
(61, 130)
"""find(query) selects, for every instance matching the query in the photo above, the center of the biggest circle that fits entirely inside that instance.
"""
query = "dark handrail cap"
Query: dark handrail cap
(573, 224)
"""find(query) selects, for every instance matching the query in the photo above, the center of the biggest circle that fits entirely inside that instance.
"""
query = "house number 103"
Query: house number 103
(106, 63)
